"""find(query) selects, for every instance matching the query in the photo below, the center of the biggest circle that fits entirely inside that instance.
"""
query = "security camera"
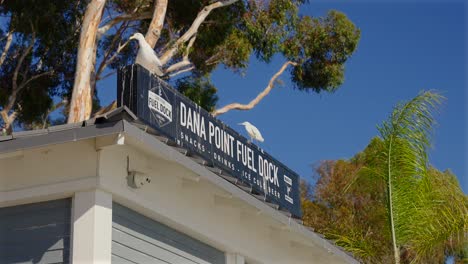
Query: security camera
(138, 179)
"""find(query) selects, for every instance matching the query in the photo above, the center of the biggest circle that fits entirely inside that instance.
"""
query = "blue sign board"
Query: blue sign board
(193, 128)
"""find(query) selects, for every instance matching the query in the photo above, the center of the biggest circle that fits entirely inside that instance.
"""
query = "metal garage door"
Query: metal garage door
(36, 233)
(138, 239)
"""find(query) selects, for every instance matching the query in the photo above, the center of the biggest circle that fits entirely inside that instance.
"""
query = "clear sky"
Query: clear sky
(404, 48)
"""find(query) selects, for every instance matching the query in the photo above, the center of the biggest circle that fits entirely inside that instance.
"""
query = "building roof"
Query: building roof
(122, 120)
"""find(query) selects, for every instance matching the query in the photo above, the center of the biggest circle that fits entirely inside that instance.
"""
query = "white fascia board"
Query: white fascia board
(148, 143)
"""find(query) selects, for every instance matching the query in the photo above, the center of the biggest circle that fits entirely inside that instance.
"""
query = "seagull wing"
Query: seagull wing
(147, 58)
(155, 60)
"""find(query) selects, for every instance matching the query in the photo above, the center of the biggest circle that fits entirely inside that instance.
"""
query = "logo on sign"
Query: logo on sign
(161, 108)
(288, 182)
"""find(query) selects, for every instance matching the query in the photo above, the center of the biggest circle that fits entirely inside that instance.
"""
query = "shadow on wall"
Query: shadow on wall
(156, 240)
(34, 233)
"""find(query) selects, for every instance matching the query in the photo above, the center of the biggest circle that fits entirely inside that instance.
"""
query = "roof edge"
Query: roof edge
(158, 147)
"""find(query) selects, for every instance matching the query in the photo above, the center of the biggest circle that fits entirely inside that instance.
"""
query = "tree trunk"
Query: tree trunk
(8, 121)
(81, 101)
(7, 47)
(396, 251)
(157, 23)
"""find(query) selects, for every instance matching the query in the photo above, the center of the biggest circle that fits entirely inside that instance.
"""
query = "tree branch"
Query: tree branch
(107, 75)
(5, 118)
(213, 59)
(20, 62)
(110, 60)
(157, 23)
(193, 28)
(106, 109)
(127, 17)
(25, 83)
(182, 71)
(41, 62)
(185, 61)
(62, 103)
(7, 47)
(8, 120)
(14, 83)
(177, 66)
(106, 60)
(259, 97)
(12, 117)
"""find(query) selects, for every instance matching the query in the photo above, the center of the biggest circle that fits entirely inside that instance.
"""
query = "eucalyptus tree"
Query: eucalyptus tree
(195, 37)
(37, 59)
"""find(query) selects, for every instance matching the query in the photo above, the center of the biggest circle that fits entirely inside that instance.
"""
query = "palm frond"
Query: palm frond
(406, 137)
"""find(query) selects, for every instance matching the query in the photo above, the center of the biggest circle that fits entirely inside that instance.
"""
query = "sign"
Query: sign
(191, 127)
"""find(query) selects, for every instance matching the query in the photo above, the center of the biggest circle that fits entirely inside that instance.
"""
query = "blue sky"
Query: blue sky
(404, 48)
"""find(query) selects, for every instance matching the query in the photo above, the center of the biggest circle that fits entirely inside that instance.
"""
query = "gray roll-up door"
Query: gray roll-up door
(138, 239)
(36, 233)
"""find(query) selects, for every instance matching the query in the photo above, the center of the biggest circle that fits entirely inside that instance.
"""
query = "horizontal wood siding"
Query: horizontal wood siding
(36, 233)
(138, 239)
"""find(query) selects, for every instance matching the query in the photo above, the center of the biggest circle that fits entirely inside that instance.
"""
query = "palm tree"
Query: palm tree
(421, 215)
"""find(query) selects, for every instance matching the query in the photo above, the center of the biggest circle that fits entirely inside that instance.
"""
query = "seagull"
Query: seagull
(253, 132)
(146, 56)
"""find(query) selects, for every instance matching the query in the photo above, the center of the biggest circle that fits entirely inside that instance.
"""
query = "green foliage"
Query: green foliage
(404, 165)
(230, 36)
(55, 28)
(437, 220)
(392, 177)
(321, 46)
(235, 50)
(423, 217)
(199, 90)
(220, 41)
(348, 205)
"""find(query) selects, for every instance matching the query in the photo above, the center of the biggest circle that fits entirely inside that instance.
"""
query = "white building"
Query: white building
(66, 195)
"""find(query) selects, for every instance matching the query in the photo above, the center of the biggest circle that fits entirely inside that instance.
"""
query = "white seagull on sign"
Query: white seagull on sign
(253, 132)
(146, 56)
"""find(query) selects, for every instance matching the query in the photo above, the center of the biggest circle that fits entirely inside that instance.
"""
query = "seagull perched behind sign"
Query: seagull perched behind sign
(253, 132)
(146, 56)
